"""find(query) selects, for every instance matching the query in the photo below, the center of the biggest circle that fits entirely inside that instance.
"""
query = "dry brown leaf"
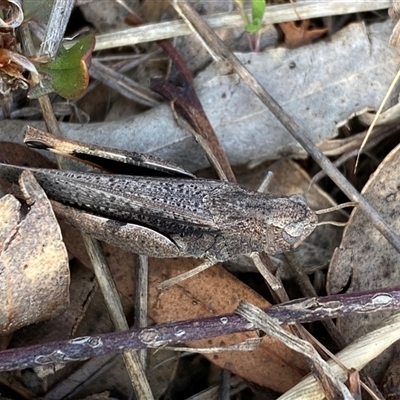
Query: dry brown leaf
(216, 291)
(19, 154)
(300, 33)
(82, 287)
(365, 260)
(354, 384)
(34, 273)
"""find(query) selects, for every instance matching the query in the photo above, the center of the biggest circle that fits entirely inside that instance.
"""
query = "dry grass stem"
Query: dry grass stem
(355, 355)
(274, 14)
(56, 27)
(127, 87)
(104, 278)
(333, 390)
(141, 301)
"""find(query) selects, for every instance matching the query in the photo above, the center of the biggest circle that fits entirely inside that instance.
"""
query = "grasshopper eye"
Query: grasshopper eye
(293, 231)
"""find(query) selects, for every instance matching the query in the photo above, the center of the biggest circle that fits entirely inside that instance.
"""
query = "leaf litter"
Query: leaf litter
(314, 91)
(211, 292)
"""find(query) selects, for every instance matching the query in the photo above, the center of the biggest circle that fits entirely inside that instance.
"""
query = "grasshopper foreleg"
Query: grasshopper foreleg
(186, 275)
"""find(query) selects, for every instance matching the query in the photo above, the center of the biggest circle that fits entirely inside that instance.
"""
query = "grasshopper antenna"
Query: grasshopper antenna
(335, 208)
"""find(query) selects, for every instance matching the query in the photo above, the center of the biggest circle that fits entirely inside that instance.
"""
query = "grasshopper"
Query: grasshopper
(189, 218)
(171, 217)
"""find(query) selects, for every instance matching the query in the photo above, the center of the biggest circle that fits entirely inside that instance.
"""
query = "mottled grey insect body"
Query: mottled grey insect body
(183, 217)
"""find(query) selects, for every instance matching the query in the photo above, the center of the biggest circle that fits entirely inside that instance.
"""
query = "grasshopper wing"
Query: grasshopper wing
(126, 198)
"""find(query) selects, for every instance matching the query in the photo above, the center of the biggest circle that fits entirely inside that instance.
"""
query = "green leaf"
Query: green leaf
(67, 75)
(254, 27)
(257, 11)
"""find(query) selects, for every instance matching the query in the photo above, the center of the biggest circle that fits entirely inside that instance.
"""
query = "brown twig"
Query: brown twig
(187, 103)
(298, 311)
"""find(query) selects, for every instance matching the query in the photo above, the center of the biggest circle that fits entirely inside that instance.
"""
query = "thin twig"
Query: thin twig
(167, 284)
(225, 385)
(298, 311)
(141, 303)
(262, 262)
(127, 87)
(372, 389)
(106, 283)
(56, 27)
(308, 290)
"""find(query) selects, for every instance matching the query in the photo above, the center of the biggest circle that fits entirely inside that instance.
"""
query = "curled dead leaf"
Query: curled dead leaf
(300, 33)
(34, 273)
(12, 66)
(15, 15)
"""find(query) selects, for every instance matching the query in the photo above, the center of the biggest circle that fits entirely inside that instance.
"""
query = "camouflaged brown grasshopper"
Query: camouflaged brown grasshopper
(167, 216)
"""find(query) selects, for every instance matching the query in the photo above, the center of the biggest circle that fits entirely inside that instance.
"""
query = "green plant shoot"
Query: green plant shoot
(257, 13)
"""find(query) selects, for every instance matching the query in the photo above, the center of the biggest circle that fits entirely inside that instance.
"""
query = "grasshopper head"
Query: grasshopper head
(292, 222)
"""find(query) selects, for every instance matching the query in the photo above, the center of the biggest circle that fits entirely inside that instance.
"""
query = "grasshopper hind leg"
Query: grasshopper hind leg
(131, 237)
